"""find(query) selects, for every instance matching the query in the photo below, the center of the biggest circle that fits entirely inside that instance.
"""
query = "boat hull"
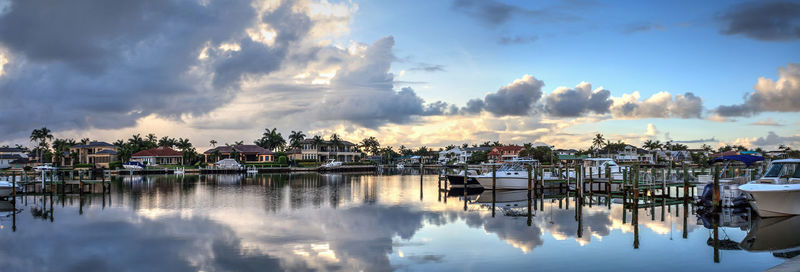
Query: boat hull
(458, 180)
(504, 183)
(771, 200)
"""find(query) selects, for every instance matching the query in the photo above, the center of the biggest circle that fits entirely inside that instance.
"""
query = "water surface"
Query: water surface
(367, 222)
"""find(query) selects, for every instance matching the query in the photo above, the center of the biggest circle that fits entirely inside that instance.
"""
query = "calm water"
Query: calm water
(364, 222)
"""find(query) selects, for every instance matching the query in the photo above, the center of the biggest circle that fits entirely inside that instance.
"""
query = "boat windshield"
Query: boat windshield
(783, 170)
(513, 166)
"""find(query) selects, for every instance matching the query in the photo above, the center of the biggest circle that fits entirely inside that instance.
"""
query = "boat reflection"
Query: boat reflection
(779, 235)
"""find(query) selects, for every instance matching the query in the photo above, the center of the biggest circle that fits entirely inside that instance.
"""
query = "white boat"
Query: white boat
(135, 165)
(45, 167)
(332, 164)
(228, 164)
(777, 193)
(400, 166)
(6, 188)
(596, 168)
(512, 175)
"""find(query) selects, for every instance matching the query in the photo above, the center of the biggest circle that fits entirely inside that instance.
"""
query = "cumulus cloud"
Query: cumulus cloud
(771, 140)
(565, 102)
(363, 91)
(515, 99)
(782, 95)
(763, 20)
(659, 105)
(94, 64)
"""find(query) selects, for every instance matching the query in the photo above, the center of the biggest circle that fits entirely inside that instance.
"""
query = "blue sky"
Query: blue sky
(552, 72)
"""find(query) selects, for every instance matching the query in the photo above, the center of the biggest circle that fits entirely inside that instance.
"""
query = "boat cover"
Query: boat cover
(746, 159)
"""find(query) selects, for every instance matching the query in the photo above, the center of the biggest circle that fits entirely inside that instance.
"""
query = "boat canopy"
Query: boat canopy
(746, 159)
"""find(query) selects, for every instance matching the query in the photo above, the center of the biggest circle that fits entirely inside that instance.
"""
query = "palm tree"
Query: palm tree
(295, 138)
(41, 136)
(336, 142)
(271, 139)
(213, 143)
(317, 141)
(598, 141)
(85, 141)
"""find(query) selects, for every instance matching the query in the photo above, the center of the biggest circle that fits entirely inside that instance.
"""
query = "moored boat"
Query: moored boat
(6, 188)
(457, 180)
(777, 193)
(134, 165)
(332, 164)
(512, 175)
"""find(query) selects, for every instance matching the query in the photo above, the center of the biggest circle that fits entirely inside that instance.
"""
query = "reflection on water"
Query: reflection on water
(371, 223)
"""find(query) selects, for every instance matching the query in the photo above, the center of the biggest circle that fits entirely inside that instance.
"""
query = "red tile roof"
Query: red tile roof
(506, 149)
(158, 152)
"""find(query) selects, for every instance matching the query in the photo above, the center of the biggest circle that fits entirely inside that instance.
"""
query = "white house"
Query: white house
(459, 155)
(10, 154)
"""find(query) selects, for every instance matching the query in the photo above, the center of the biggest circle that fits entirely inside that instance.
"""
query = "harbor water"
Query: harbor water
(371, 222)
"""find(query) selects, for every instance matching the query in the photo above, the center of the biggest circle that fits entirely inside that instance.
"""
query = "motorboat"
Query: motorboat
(596, 168)
(228, 164)
(133, 165)
(332, 164)
(512, 175)
(6, 188)
(775, 234)
(777, 193)
(44, 168)
(457, 180)
(730, 195)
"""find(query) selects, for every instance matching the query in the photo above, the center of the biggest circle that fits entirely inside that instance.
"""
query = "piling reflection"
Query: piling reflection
(334, 222)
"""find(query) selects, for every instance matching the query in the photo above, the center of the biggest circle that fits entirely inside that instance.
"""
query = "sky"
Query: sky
(413, 73)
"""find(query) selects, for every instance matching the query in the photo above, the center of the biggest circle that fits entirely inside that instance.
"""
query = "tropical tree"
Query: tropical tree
(336, 142)
(41, 136)
(317, 141)
(271, 139)
(213, 143)
(85, 141)
(167, 142)
(598, 141)
(296, 138)
(371, 145)
(61, 149)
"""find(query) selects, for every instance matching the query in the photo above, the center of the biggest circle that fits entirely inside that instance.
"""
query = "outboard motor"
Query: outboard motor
(707, 197)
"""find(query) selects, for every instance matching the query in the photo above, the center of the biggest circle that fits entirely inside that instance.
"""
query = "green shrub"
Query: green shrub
(283, 160)
(83, 165)
(307, 164)
(115, 165)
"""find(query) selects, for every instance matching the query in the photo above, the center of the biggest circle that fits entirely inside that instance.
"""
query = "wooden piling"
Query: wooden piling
(716, 187)
(685, 182)
(529, 182)
(494, 187)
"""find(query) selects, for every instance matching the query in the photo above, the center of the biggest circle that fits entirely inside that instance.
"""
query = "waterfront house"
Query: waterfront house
(629, 154)
(460, 155)
(247, 153)
(570, 152)
(344, 152)
(158, 156)
(504, 153)
(98, 154)
(10, 154)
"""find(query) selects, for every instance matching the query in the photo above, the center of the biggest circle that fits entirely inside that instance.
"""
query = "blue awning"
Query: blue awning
(746, 159)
